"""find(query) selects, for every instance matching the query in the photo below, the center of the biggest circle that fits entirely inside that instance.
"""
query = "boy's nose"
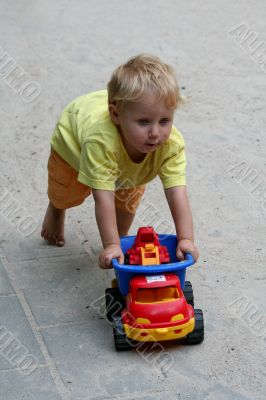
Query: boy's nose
(154, 132)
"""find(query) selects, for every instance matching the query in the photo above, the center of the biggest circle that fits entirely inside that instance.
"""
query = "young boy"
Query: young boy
(111, 143)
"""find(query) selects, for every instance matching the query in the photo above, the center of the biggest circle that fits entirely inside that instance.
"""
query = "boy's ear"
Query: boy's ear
(114, 113)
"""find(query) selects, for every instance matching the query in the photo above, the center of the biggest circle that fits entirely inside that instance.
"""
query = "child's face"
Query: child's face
(144, 125)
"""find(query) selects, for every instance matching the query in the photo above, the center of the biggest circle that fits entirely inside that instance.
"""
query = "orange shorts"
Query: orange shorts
(64, 190)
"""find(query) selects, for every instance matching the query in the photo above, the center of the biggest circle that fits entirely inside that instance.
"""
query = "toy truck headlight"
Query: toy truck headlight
(143, 321)
(177, 317)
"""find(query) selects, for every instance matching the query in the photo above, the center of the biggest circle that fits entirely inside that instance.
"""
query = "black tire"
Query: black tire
(122, 342)
(188, 293)
(114, 302)
(197, 336)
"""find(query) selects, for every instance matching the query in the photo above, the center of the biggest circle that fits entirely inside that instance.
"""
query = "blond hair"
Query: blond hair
(140, 73)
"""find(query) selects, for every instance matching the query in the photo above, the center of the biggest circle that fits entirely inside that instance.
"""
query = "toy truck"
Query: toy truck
(152, 303)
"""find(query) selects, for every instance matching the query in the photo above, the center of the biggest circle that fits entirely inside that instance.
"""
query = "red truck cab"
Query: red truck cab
(156, 309)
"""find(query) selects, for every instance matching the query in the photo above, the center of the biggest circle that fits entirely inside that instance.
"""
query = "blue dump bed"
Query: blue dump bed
(124, 273)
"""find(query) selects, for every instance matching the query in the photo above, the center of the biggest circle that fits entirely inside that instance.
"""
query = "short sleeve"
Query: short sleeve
(98, 166)
(173, 169)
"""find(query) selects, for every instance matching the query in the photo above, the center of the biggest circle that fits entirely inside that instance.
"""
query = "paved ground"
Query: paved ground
(54, 341)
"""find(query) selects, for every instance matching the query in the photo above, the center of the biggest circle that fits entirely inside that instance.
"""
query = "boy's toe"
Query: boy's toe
(50, 238)
(60, 241)
(45, 235)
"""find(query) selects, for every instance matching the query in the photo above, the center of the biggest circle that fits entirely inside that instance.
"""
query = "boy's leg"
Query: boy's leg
(53, 225)
(64, 191)
(124, 220)
(127, 201)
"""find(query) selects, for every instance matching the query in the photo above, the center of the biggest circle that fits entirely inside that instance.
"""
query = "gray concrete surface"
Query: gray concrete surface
(54, 344)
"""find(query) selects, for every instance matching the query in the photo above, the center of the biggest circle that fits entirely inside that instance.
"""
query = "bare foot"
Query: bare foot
(53, 226)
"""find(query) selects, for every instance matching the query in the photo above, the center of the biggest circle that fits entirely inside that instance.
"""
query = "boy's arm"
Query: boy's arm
(107, 225)
(178, 201)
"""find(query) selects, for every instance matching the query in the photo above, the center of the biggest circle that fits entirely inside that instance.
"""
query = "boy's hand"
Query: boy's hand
(111, 251)
(186, 246)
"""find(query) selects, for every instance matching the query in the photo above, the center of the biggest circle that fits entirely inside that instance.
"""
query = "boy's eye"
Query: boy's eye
(164, 121)
(143, 121)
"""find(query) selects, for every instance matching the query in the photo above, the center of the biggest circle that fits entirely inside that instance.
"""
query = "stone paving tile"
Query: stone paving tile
(5, 286)
(14, 321)
(86, 359)
(55, 306)
(61, 289)
(162, 394)
(85, 356)
(6, 231)
(54, 273)
(33, 247)
(38, 385)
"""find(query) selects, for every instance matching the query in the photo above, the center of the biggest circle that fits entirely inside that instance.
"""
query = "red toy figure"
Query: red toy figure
(147, 249)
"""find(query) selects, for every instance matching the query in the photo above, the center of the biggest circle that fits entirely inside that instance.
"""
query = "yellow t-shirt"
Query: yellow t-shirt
(87, 139)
